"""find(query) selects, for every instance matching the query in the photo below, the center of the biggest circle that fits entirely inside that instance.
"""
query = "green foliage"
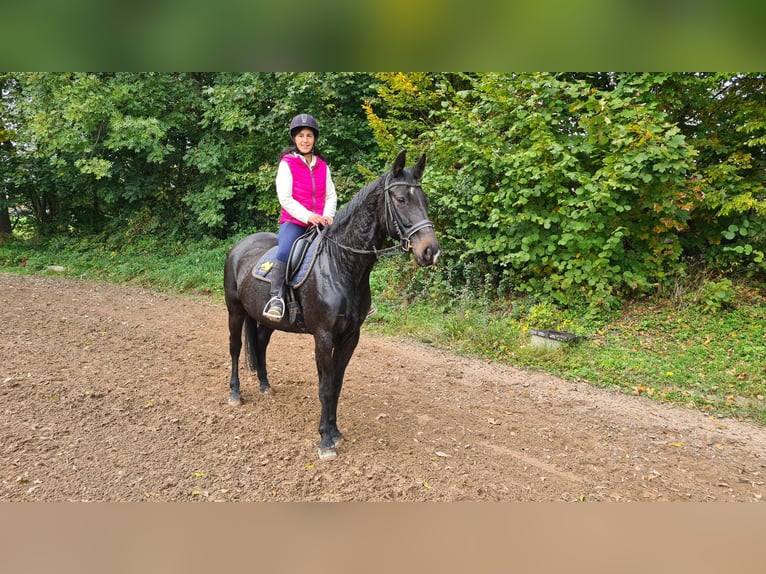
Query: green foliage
(148, 260)
(544, 315)
(400, 114)
(245, 120)
(97, 145)
(198, 150)
(585, 187)
(714, 296)
(573, 187)
(724, 117)
(577, 192)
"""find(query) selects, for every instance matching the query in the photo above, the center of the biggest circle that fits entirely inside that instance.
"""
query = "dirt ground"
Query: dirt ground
(112, 393)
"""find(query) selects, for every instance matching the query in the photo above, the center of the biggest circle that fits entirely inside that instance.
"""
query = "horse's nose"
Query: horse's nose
(430, 255)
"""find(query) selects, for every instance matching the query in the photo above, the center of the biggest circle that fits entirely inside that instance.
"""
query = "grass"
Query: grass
(159, 263)
(702, 348)
(688, 349)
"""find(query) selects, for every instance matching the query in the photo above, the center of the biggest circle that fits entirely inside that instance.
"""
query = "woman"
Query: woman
(307, 195)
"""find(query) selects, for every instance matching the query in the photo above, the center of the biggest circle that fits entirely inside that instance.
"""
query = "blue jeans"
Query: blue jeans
(288, 233)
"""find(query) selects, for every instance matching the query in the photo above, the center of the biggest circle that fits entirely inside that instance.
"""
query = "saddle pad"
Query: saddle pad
(262, 269)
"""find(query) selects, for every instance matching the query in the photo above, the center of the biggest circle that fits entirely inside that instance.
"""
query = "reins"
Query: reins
(392, 216)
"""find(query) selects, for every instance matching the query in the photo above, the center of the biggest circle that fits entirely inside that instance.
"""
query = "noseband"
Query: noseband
(403, 233)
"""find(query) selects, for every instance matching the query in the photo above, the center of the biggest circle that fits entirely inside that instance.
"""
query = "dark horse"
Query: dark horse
(335, 296)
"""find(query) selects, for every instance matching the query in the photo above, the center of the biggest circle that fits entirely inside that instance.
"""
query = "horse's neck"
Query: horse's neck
(363, 229)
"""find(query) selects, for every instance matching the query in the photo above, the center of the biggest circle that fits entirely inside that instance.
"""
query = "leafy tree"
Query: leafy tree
(195, 153)
(7, 154)
(245, 121)
(576, 186)
(724, 117)
(113, 144)
(561, 187)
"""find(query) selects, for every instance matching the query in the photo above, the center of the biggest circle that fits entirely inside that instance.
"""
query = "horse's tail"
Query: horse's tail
(251, 335)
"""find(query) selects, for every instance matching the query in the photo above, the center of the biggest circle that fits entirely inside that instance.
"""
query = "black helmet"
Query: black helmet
(304, 121)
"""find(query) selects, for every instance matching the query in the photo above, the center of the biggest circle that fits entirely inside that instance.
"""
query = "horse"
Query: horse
(335, 295)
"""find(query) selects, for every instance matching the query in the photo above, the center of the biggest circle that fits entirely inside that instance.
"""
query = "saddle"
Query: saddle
(298, 254)
(299, 264)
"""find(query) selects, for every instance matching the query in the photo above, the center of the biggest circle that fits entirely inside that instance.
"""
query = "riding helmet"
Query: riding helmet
(304, 121)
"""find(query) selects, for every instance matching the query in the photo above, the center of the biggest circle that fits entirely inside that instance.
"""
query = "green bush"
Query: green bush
(714, 296)
(564, 190)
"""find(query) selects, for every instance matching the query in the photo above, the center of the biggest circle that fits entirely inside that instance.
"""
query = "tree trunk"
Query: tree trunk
(5, 222)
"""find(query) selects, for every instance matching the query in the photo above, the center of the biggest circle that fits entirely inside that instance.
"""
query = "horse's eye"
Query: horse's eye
(400, 199)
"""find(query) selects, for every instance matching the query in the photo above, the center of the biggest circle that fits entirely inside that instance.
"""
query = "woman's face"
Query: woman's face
(304, 141)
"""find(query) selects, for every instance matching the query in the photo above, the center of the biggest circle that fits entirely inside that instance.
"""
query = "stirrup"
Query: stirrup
(274, 309)
(373, 310)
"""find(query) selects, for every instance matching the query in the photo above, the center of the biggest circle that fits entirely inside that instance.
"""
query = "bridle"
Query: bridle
(392, 216)
(403, 233)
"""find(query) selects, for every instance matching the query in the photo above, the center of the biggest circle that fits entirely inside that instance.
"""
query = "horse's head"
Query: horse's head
(407, 211)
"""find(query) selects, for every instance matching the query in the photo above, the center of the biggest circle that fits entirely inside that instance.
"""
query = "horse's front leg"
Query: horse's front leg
(323, 349)
(332, 358)
(342, 353)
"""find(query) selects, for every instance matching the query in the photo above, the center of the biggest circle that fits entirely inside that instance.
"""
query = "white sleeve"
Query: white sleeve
(285, 194)
(331, 196)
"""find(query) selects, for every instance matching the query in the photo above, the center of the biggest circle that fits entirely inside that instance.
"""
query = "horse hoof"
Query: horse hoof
(327, 453)
(235, 401)
(337, 440)
(265, 390)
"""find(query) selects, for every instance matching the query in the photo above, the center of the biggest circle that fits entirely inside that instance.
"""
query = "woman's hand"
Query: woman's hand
(316, 219)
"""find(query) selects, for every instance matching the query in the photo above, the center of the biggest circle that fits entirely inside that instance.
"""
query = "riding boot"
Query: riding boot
(275, 308)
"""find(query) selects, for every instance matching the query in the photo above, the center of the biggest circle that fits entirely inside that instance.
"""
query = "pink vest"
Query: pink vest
(309, 186)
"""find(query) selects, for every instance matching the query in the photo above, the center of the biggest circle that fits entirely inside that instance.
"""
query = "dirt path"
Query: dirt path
(116, 393)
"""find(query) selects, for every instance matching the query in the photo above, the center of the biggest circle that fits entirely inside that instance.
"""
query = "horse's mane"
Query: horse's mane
(359, 199)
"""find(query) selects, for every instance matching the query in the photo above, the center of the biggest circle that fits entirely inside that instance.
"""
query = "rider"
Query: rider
(307, 195)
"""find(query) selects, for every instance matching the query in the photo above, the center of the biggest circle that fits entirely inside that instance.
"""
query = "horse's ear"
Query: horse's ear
(399, 163)
(419, 167)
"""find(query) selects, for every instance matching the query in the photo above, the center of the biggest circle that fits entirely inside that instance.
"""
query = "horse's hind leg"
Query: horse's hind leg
(257, 337)
(236, 319)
